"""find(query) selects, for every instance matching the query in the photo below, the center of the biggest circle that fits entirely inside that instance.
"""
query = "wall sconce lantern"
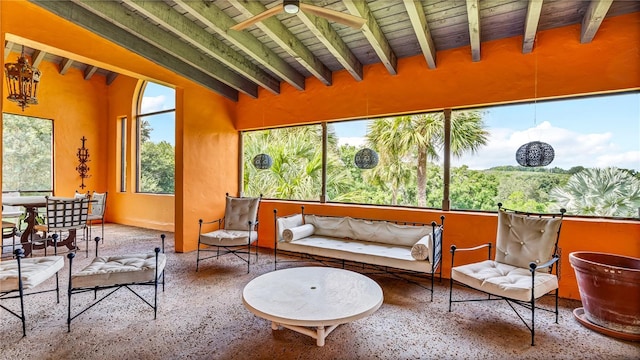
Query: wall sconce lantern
(22, 82)
(535, 153)
(366, 159)
(262, 161)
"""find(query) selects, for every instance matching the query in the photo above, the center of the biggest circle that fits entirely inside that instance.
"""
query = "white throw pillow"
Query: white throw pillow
(298, 232)
(420, 250)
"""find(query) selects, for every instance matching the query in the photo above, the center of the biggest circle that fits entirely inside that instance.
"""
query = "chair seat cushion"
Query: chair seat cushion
(224, 237)
(94, 217)
(119, 270)
(504, 280)
(34, 271)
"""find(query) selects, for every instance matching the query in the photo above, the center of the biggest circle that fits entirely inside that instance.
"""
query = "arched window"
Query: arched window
(156, 139)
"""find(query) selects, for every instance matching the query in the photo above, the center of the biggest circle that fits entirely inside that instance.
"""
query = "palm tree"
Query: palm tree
(420, 137)
(601, 192)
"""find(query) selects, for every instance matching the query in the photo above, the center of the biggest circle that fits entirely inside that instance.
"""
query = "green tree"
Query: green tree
(418, 138)
(27, 155)
(157, 167)
(601, 192)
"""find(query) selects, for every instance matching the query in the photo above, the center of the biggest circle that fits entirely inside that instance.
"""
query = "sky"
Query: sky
(591, 132)
(157, 98)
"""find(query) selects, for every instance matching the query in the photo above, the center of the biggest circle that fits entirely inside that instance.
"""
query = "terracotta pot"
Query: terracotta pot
(609, 287)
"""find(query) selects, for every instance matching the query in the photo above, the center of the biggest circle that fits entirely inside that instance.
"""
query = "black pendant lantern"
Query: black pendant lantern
(262, 161)
(535, 153)
(366, 159)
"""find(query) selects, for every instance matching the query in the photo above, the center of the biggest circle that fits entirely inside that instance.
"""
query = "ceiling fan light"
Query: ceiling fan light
(291, 6)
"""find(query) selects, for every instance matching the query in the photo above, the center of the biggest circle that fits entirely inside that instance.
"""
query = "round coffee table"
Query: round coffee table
(320, 298)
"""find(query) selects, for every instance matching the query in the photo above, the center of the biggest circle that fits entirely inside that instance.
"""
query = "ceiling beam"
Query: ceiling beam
(37, 57)
(531, 25)
(8, 45)
(593, 18)
(333, 42)
(421, 28)
(285, 39)
(218, 21)
(111, 76)
(473, 14)
(374, 35)
(65, 65)
(89, 71)
(189, 31)
(135, 25)
(107, 30)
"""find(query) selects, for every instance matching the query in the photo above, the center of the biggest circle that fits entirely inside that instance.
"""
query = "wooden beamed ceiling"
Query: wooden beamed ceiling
(193, 37)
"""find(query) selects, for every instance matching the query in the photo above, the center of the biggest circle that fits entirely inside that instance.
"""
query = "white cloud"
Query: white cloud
(571, 149)
(353, 141)
(154, 103)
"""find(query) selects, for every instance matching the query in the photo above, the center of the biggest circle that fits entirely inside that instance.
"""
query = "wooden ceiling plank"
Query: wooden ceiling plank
(531, 25)
(104, 28)
(89, 71)
(189, 31)
(8, 45)
(143, 31)
(374, 35)
(285, 39)
(65, 65)
(37, 57)
(593, 18)
(421, 29)
(473, 14)
(218, 21)
(332, 41)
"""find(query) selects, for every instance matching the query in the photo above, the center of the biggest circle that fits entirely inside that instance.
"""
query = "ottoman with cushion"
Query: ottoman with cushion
(116, 272)
(23, 274)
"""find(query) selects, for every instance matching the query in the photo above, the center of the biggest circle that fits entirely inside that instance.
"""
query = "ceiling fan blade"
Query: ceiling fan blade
(252, 20)
(336, 16)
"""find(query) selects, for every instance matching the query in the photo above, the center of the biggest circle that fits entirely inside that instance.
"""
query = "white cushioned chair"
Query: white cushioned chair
(98, 208)
(525, 265)
(64, 215)
(20, 275)
(234, 234)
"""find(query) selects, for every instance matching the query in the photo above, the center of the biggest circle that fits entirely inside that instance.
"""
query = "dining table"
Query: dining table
(31, 239)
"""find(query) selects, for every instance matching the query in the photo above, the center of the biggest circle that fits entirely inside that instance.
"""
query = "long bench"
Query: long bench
(414, 248)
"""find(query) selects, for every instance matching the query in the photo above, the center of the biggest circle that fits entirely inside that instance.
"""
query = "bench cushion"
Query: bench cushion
(34, 271)
(504, 280)
(368, 252)
(119, 270)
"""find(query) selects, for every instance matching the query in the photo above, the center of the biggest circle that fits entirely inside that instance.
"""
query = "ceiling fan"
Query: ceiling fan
(293, 6)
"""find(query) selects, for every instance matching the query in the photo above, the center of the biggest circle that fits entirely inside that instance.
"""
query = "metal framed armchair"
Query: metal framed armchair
(235, 233)
(98, 208)
(524, 268)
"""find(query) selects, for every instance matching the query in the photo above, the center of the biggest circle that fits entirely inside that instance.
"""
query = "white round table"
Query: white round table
(320, 298)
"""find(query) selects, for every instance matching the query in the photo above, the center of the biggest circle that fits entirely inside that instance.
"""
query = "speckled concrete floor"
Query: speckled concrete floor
(201, 316)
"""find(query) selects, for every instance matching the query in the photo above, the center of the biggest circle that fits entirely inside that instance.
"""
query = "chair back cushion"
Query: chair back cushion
(239, 212)
(98, 204)
(524, 239)
(65, 213)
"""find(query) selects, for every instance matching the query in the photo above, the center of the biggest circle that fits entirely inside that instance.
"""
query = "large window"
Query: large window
(156, 139)
(595, 171)
(27, 154)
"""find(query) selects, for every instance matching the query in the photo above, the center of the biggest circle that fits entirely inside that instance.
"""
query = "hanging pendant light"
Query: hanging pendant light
(262, 161)
(366, 159)
(22, 82)
(535, 153)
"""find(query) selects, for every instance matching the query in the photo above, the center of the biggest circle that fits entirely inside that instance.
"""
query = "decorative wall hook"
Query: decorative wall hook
(83, 158)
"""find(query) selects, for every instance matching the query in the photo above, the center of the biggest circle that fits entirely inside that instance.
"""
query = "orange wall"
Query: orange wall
(611, 62)
(70, 123)
(204, 171)
(470, 229)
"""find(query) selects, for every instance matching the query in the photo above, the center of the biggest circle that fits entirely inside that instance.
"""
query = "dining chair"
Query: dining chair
(63, 215)
(98, 208)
